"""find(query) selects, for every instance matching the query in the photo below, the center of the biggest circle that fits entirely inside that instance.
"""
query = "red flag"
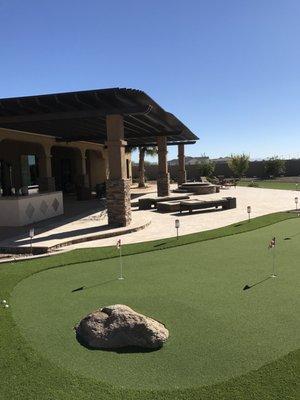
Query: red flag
(119, 244)
(272, 244)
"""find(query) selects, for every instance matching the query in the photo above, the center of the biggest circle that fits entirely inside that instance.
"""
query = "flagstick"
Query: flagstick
(273, 274)
(121, 264)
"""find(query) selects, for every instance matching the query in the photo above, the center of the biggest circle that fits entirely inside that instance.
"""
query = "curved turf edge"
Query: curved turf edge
(24, 375)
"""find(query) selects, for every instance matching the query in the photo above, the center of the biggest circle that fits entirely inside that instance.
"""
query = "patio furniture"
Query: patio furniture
(100, 190)
(203, 179)
(83, 193)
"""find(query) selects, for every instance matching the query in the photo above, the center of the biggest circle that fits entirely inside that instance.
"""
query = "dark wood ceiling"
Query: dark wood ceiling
(81, 116)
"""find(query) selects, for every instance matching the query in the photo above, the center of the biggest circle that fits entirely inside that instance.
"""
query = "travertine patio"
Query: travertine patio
(262, 201)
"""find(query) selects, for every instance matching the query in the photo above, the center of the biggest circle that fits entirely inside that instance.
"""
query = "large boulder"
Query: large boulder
(119, 326)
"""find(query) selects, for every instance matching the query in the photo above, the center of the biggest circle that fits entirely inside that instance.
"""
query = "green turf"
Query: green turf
(236, 343)
(271, 184)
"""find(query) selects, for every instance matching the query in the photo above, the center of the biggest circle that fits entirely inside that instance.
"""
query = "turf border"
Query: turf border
(26, 375)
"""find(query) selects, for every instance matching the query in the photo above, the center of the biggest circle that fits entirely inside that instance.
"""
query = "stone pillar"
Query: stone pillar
(181, 165)
(46, 180)
(118, 186)
(163, 178)
(82, 177)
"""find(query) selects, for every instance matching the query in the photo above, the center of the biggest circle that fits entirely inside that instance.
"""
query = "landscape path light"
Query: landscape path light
(249, 212)
(296, 202)
(177, 225)
(31, 235)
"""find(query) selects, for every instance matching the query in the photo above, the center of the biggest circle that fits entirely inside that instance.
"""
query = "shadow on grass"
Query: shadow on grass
(290, 237)
(160, 244)
(120, 350)
(93, 286)
(247, 287)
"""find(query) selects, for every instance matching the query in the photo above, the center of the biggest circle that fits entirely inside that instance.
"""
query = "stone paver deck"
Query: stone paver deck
(262, 201)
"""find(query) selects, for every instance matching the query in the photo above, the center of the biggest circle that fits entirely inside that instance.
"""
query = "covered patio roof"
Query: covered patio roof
(81, 116)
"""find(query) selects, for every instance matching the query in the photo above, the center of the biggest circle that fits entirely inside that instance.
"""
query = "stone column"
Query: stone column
(181, 164)
(82, 177)
(117, 186)
(46, 180)
(163, 178)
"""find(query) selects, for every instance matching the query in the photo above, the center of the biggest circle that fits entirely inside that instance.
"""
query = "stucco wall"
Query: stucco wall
(13, 144)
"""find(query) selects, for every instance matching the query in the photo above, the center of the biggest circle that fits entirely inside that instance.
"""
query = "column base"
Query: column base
(47, 184)
(163, 185)
(118, 202)
(181, 177)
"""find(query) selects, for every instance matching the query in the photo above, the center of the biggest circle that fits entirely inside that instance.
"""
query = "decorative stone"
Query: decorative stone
(118, 202)
(119, 326)
(163, 185)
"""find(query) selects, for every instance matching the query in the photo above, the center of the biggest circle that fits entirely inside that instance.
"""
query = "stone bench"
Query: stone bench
(226, 203)
(146, 203)
(168, 206)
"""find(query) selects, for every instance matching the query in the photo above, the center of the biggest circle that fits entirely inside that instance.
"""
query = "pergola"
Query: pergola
(116, 118)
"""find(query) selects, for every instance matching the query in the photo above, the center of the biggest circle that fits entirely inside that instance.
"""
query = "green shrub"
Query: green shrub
(253, 184)
(274, 166)
(206, 168)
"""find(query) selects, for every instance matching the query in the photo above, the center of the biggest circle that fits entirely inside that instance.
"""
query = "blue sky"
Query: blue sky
(229, 69)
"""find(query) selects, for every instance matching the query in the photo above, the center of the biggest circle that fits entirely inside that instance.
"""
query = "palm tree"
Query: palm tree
(143, 151)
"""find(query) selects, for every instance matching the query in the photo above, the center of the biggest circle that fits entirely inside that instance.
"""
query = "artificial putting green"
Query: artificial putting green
(271, 184)
(218, 332)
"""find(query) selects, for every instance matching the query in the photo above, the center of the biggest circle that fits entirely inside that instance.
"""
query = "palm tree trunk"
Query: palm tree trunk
(142, 167)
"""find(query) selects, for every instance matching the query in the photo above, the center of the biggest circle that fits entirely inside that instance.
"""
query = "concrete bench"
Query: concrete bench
(226, 203)
(168, 206)
(146, 203)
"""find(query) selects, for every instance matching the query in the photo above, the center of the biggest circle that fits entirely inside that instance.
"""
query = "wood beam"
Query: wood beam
(61, 115)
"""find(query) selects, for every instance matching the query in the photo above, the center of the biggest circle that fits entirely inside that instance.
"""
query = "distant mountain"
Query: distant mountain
(196, 160)
(189, 160)
(220, 159)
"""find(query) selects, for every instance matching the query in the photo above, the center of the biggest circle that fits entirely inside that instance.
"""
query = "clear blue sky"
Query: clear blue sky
(229, 69)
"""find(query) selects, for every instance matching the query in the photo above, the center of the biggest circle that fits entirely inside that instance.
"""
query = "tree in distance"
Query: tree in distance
(274, 166)
(206, 168)
(239, 164)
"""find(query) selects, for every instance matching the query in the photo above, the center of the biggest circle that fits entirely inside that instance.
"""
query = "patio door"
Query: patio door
(66, 175)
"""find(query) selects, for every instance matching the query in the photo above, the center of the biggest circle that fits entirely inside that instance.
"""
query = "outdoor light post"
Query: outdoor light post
(177, 224)
(296, 202)
(249, 212)
(31, 235)
(119, 247)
